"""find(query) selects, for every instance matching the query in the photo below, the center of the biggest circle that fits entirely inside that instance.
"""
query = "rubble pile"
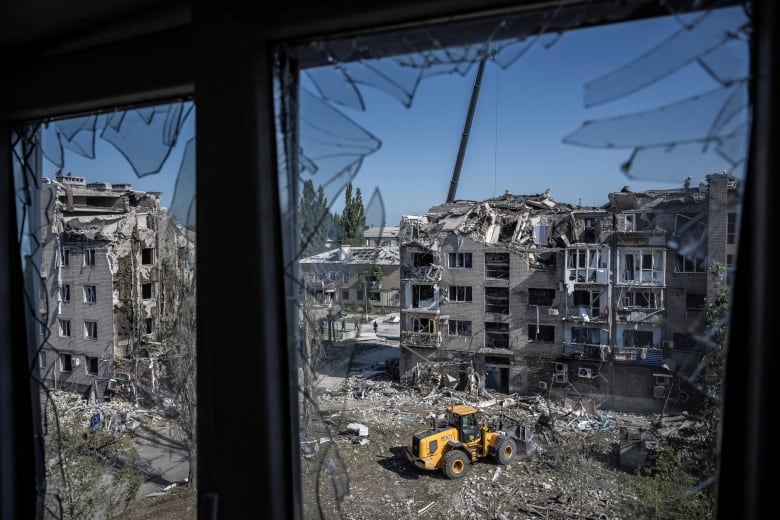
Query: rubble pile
(574, 472)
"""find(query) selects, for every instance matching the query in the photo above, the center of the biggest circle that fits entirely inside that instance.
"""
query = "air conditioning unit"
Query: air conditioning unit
(111, 385)
(542, 385)
(585, 372)
(659, 391)
(562, 378)
(561, 368)
(552, 312)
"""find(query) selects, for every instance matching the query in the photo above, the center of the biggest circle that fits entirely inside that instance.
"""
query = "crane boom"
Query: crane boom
(466, 130)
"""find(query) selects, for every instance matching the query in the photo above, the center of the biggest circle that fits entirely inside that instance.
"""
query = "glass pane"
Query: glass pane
(105, 207)
(622, 142)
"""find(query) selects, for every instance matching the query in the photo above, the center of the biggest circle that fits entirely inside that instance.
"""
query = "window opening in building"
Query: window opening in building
(459, 328)
(90, 329)
(147, 256)
(538, 296)
(460, 260)
(90, 294)
(544, 333)
(89, 258)
(65, 293)
(64, 326)
(497, 265)
(496, 334)
(147, 290)
(497, 300)
(66, 363)
(459, 293)
(92, 365)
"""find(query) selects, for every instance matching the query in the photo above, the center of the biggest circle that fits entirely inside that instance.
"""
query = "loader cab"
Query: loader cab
(467, 420)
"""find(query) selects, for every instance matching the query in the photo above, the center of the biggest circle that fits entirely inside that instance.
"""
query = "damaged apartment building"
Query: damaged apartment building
(535, 296)
(354, 279)
(109, 259)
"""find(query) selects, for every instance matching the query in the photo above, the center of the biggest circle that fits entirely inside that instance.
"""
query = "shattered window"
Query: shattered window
(459, 328)
(90, 294)
(460, 294)
(117, 190)
(607, 133)
(460, 260)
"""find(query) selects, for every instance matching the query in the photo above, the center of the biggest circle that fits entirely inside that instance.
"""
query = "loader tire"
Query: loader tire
(505, 449)
(456, 464)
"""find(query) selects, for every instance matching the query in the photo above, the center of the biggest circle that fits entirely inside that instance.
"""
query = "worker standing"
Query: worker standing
(375, 326)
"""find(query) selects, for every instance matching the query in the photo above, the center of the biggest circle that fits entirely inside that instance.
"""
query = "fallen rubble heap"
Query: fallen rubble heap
(579, 468)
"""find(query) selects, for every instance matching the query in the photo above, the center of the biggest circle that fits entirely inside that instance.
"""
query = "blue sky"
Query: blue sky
(516, 141)
(522, 115)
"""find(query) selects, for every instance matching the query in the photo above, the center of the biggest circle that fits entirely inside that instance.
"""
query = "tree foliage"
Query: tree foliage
(315, 219)
(353, 219)
(90, 474)
(668, 489)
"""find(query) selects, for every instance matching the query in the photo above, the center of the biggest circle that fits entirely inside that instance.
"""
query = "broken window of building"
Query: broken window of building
(731, 232)
(65, 293)
(90, 294)
(459, 260)
(496, 334)
(587, 265)
(544, 333)
(423, 325)
(643, 266)
(542, 260)
(92, 365)
(690, 264)
(64, 327)
(587, 335)
(66, 363)
(149, 325)
(345, 295)
(459, 328)
(89, 258)
(147, 290)
(497, 265)
(637, 338)
(497, 300)
(65, 257)
(422, 259)
(90, 329)
(587, 304)
(695, 302)
(459, 293)
(147, 256)
(537, 296)
(422, 296)
(640, 298)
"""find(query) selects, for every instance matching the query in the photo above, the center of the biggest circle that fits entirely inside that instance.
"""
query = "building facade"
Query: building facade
(355, 279)
(537, 296)
(108, 257)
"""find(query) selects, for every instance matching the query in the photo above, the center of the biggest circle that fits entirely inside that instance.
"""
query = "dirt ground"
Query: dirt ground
(573, 472)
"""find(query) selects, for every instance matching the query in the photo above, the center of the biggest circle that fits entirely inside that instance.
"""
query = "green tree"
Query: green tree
(353, 219)
(314, 219)
(89, 474)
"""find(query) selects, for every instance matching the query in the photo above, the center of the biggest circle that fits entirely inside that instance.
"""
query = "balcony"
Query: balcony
(421, 339)
(586, 351)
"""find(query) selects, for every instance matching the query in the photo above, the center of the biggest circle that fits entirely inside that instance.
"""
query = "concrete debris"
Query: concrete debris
(556, 479)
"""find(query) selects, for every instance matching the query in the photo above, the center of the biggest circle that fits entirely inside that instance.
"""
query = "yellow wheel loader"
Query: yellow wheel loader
(463, 438)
